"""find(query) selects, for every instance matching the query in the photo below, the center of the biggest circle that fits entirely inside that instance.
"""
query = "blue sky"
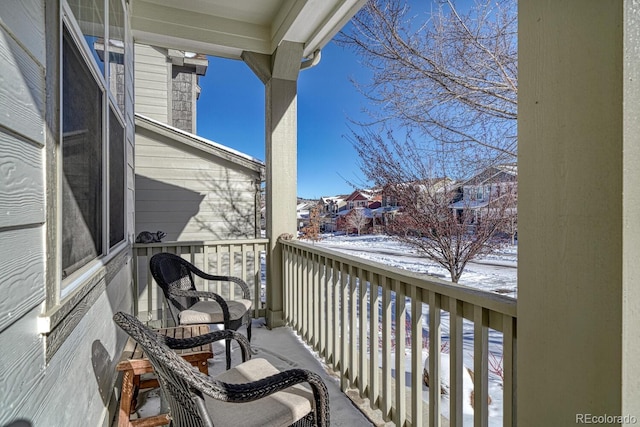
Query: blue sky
(231, 112)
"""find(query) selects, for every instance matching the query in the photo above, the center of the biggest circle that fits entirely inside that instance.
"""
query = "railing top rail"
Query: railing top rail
(201, 243)
(498, 303)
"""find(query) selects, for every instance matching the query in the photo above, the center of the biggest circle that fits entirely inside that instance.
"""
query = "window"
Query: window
(81, 161)
(93, 155)
(116, 180)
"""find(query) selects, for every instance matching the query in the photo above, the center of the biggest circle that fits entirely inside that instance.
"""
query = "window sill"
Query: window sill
(57, 323)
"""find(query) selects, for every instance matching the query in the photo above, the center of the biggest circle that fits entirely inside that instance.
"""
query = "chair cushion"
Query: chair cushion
(211, 312)
(279, 409)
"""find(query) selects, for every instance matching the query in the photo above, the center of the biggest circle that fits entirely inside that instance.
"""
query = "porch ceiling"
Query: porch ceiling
(227, 28)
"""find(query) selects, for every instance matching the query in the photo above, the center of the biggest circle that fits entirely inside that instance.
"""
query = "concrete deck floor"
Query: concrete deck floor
(284, 350)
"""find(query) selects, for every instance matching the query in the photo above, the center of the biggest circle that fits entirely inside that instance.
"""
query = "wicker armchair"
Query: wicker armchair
(254, 393)
(189, 306)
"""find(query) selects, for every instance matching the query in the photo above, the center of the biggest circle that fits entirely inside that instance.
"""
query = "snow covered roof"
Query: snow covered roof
(466, 204)
(384, 209)
(201, 143)
(368, 213)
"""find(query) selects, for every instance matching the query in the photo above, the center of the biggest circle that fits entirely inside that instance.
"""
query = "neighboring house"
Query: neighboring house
(392, 195)
(364, 199)
(166, 85)
(187, 186)
(329, 207)
(489, 185)
(383, 216)
(303, 211)
(192, 188)
(332, 205)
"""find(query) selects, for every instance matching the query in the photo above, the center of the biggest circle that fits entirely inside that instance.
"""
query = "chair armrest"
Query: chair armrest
(247, 392)
(200, 340)
(238, 281)
(203, 294)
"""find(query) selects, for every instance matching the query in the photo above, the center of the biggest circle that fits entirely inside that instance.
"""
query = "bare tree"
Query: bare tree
(356, 219)
(312, 230)
(450, 236)
(449, 74)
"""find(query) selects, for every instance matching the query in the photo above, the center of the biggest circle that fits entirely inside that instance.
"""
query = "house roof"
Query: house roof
(200, 143)
(229, 28)
(496, 173)
(370, 194)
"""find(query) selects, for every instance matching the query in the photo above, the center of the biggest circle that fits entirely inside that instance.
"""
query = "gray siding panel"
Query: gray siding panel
(22, 272)
(25, 19)
(21, 183)
(21, 368)
(74, 388)
(151, 83)
(21, 99)
(191, 194)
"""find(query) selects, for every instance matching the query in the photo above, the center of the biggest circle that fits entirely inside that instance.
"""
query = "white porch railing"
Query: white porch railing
(325, 293)
(241, 258)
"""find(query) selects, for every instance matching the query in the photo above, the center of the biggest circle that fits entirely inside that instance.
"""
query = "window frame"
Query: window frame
(80, 289)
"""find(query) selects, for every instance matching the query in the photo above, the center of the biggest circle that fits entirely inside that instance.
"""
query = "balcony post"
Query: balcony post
(279, 73)
(579, 208)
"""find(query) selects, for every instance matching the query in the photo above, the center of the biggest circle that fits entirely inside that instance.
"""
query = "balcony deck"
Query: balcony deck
(284, 350)
(338, 307)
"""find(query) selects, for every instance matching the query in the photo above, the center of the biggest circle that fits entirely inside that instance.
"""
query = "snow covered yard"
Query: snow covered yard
(494, 273)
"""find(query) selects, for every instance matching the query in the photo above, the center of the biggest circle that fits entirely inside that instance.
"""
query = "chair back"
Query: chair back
(173, 272)
(186, 404)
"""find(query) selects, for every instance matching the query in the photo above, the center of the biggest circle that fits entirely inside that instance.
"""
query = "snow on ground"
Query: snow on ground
(494, 273)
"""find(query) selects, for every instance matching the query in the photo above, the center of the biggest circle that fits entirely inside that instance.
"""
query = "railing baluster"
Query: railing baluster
(434, 359)
(257, 280)
(363, 329)
(400, 325)
(335, 282)
(308, 296)
(480, 366)
(344, 348)
(456, 365)
(136, 280)
(416, 357)
(387, 403)
(287, 284)
(150, 292)
(315, 300)
(509, 367)
(299, 285)
(322, 306)
(192, 251)
(330, 322)
(374, 339)
(353, 327)
(205, 267)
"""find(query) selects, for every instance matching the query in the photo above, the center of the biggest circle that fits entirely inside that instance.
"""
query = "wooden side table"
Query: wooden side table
(134, 363)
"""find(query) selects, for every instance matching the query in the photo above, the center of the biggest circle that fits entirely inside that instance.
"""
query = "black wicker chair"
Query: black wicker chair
(189, 306)
(254, 393)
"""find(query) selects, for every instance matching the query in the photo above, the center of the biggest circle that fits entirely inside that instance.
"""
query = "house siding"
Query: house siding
(190, 194)
(74, 386)
(151, 83)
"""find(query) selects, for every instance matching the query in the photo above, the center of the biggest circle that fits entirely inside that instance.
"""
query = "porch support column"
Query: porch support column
(279, 73)
(578, 345)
